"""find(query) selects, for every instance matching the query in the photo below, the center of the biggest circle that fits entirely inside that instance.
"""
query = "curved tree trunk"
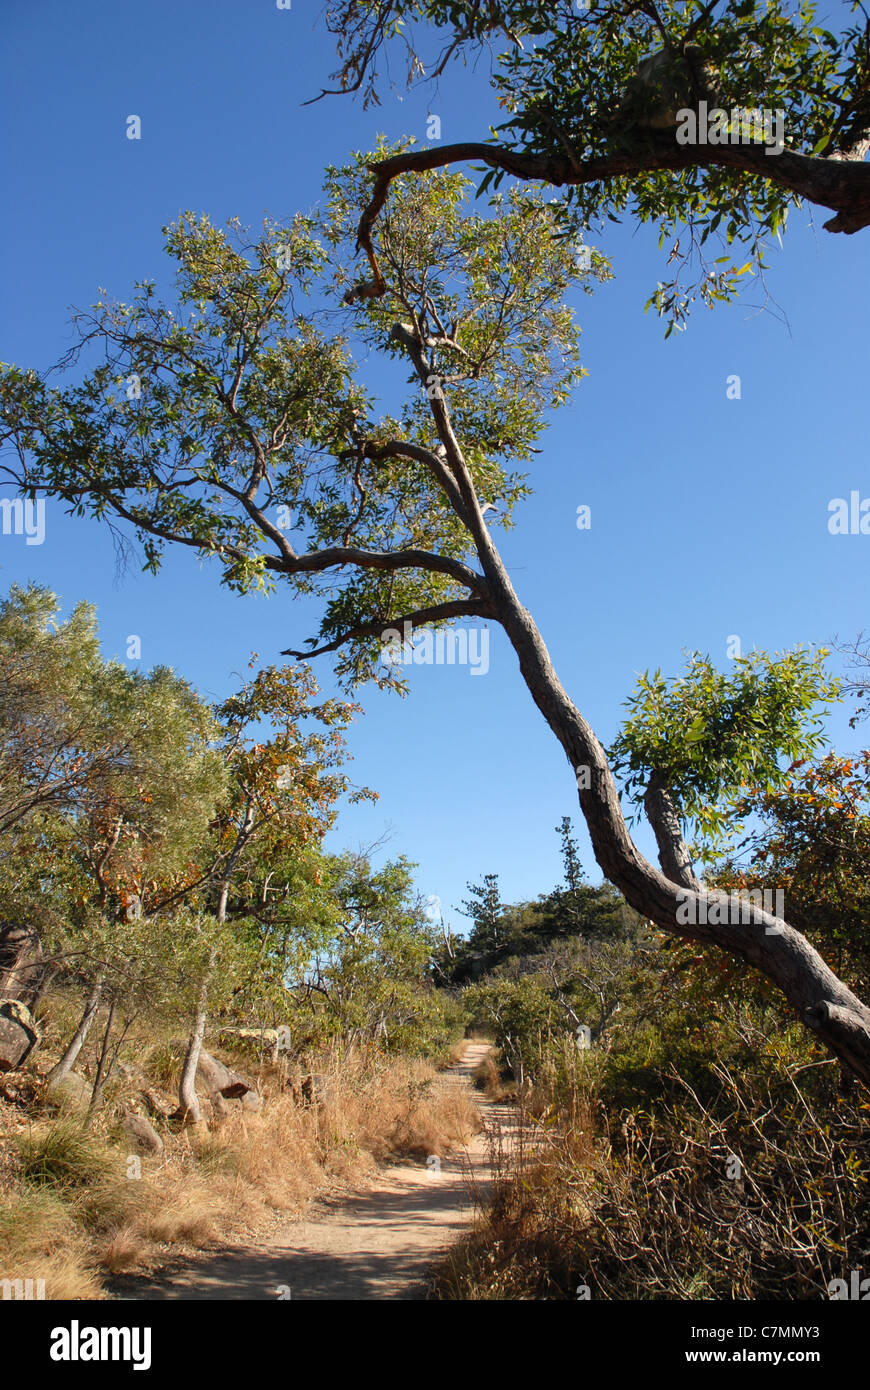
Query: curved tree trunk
(63, 1067)
(824, 1004)
(828, 1008)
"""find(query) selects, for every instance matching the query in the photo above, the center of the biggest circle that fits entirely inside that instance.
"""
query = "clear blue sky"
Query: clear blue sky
(709, 516)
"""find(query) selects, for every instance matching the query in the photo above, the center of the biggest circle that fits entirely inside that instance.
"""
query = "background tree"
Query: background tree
(375, 978)
(812, 839)
(110, 782)
(282, 794)
(52, 741)
(484, 908)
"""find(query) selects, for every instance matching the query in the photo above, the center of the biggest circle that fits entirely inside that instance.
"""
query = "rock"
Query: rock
(144, 1133)
(223, 1084)
(316, 1089)
(157, 1104)
(18, 1034)
(21, 964)
(221, 1079)
(73, 1092)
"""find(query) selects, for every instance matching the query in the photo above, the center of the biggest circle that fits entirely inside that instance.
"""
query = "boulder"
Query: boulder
(72, 1092)
(316, 1089)
(143, 1132)
(18, 1034)
(222, 1083)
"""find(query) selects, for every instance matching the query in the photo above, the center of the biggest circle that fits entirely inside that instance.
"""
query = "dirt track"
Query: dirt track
(373, 1244)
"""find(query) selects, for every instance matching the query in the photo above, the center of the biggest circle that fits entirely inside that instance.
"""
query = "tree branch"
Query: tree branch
(440, 612)
(662, 816)
(839, 184)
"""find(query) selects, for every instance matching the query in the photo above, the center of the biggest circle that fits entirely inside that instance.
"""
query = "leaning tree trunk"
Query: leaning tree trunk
(825, 1005)
(62, 1068)
(836, 1016)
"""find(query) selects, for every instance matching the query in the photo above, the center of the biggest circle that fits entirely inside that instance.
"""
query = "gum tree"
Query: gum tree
(251, 440)
(591, 89)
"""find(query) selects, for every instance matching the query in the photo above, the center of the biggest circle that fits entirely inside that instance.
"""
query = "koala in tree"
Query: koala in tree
(665, 83)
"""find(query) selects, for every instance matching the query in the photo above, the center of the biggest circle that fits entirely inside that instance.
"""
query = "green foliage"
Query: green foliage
(812, 840)
(373, 982)
(110, 775)
(708, 735)
(567, 79)
(230, 385)
(489, 288)
(520, 1015)
(233, 424)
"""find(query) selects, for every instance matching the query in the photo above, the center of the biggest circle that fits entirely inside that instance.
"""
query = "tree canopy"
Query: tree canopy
(590, 94)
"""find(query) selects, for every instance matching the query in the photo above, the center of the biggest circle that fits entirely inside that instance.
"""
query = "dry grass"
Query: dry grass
(754, 1187)
(74, 1208)
(488, 1079)
(40, 1239)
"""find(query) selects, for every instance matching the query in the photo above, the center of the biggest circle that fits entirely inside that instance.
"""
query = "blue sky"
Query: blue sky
(709, 515)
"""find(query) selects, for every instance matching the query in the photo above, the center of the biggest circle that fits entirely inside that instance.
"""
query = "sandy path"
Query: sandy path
(377, 1243)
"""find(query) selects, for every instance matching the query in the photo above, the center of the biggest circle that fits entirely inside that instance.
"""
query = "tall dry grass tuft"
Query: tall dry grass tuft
(88, 1206)
(41, 1240)
(488, 1079)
